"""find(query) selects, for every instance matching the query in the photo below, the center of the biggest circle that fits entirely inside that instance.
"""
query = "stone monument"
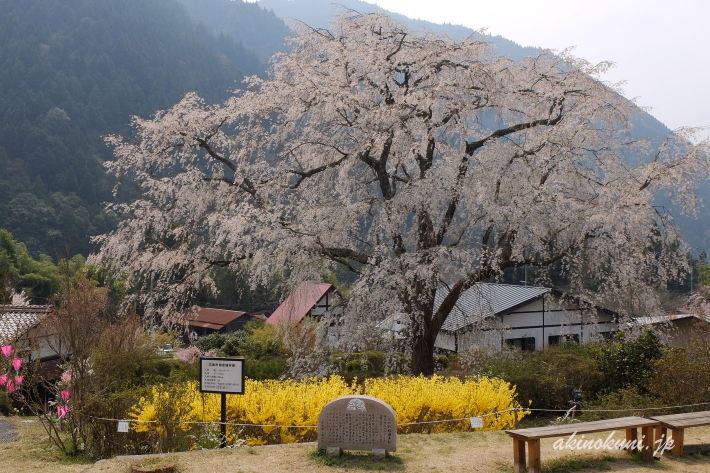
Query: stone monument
(357, 423)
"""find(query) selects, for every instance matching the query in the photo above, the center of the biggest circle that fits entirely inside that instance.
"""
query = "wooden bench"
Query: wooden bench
(533, 435)
(677, 423)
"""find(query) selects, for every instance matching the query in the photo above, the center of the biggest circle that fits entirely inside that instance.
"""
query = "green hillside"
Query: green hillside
(74, 70)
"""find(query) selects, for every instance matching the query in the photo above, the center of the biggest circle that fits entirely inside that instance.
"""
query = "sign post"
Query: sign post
(223, 376)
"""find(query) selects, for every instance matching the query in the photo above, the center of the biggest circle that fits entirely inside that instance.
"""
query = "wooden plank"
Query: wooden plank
(678, 438)
(519, 455)
(647, 444)
(685, 423)
(582, 427)
(534, 455)
(686, 415)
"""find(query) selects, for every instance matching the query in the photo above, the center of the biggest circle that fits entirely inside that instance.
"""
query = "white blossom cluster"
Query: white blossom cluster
(410, 159)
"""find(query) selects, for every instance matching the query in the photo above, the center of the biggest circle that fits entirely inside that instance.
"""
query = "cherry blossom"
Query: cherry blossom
(410, 160)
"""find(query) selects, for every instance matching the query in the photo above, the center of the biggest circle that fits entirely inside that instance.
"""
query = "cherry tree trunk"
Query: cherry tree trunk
(423, 354)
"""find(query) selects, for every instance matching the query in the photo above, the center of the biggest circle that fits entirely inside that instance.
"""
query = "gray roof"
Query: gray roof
(484, 300)
(16, 320)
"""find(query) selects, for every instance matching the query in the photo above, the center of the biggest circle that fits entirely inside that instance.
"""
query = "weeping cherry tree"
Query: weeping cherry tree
(410, 160)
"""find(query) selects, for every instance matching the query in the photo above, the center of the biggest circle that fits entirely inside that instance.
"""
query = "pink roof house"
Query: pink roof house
(309, 299)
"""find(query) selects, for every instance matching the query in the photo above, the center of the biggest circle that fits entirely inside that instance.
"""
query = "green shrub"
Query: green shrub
(626, 362)
(267, 368)
(5, 404)
(214, 341)
(441, 362)
(681, 376)
(234, 342)
(629, 401)
(545, 379)
(103, 440)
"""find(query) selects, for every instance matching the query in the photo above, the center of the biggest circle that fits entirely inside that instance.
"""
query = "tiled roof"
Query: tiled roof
(484, 300)
(211, 318)
(16, 320)
(299, 303)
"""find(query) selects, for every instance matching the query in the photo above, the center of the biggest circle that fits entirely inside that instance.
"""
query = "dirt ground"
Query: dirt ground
(444, 453)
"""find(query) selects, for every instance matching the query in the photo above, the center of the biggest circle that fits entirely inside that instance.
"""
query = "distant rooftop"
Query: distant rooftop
(214, 319)
(300, 302)
(16, 320)
(484, 300)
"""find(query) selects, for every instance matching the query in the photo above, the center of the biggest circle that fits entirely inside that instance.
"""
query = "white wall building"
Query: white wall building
(488, 316)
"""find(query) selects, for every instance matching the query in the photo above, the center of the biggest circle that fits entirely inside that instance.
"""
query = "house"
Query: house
(676, 330)
(527, 317)
(25, 328)
(309, 299)
(491, 316)
(205, 320)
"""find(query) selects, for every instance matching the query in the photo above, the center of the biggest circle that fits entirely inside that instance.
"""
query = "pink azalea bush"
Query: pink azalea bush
(10, 381)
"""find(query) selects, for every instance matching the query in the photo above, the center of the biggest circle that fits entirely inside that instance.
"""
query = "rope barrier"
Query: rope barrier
(517, 409)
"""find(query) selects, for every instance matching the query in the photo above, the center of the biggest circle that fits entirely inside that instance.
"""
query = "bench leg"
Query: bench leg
(678, 442)
(661, 435)
(519, 455)
(534, 455)
(631, 440)
(647, 446)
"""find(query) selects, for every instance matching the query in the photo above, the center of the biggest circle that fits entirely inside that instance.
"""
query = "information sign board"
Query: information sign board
(222, 375)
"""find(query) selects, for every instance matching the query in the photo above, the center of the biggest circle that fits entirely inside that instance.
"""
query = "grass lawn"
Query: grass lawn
(444, 453)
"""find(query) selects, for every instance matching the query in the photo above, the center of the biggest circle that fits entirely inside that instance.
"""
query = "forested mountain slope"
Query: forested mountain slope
(74, 70)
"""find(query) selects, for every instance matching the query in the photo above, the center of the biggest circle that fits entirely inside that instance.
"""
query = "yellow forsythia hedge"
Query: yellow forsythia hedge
(419, 400)
(178, 410)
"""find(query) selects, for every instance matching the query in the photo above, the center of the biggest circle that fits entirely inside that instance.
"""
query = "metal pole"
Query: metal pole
(223, 420)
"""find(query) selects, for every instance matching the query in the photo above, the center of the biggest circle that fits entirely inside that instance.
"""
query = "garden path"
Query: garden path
(8, 433)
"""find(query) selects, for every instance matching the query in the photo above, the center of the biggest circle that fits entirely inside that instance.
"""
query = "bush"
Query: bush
(5, 403)
(263, 403)
(544, 379)
(258, 343)
(420, 399)
(214, 341)
(370, 364)
(269, 368)
(626, 362)
(682, 376)
(234, 343)
(623, 402)
(268, 404)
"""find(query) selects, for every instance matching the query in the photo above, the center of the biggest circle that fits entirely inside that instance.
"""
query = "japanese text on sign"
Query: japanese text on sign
(222, 375)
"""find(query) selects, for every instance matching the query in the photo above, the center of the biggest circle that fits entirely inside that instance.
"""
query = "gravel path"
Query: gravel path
(8, 433)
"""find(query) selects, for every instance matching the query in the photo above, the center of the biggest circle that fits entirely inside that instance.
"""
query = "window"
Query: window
(557, 339)
(525, 343)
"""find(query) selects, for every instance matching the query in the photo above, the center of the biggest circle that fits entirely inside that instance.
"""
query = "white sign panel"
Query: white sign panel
(123, 426)
(222, 375)
(476, 422)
